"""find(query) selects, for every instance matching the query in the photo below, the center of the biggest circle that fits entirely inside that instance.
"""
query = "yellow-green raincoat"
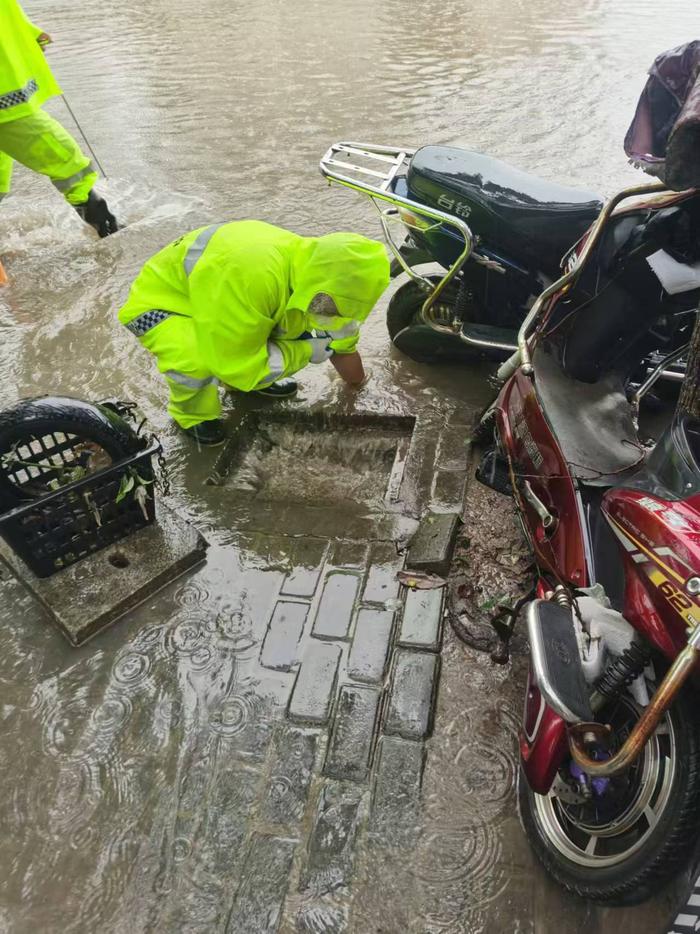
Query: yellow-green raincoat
(229, 304)
(27, 134)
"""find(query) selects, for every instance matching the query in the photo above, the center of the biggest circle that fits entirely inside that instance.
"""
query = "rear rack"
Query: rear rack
(379, 156)
(372, 171)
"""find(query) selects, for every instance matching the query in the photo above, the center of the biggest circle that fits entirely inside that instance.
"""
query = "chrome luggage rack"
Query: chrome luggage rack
(372, 171)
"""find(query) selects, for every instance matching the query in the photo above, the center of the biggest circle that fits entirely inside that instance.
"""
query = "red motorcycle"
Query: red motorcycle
(609, 791)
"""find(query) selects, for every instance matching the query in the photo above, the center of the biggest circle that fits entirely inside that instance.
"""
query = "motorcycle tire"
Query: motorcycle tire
(35, 425)
(632, 876)
(413, 337)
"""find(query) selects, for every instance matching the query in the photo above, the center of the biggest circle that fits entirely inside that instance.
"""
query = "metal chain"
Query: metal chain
(163, 471)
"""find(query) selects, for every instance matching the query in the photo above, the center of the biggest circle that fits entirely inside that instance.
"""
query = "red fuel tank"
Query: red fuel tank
(661, 542)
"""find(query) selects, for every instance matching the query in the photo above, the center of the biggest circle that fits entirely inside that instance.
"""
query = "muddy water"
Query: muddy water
(129, 767)
(287, 463)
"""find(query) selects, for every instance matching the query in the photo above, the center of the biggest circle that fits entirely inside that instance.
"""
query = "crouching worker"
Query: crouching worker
(32, 137)
(245, 305)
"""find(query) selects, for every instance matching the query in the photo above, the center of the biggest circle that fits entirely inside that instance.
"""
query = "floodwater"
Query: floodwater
(129, 768)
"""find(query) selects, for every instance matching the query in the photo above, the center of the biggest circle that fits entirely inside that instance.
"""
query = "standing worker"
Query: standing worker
(246, 305)
(32, 137)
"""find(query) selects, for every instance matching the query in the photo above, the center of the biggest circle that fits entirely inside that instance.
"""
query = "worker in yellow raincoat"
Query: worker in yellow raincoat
(32, 137)
(245, 305)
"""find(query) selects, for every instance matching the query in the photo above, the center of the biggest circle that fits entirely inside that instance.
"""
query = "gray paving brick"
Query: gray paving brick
(381, 579)
(449, 490)
(353, 733)
(348, 554)
(337, 604)
(413, 692)
(331, 847)
(422, 619)
(307, 558)
(397, 789)
(313, 689)
(258, 903)
(453, 450)
(370, 645)
(280, 647)
(432, 545)
(293, 753)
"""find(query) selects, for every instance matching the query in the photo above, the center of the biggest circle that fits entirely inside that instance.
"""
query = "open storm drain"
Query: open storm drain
(353, 463)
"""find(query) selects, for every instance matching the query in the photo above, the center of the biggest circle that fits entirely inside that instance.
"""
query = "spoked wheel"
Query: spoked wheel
(413, 337)
(625, 835)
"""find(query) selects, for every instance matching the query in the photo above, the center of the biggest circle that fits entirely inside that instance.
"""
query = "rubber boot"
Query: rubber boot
(97, 214)
(208, 434)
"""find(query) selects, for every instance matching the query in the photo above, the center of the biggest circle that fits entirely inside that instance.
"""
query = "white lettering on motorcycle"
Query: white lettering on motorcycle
(522, 433)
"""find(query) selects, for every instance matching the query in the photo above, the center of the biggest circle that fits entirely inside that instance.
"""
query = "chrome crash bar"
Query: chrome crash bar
(584, 735)
(522, 357)
(371, 170)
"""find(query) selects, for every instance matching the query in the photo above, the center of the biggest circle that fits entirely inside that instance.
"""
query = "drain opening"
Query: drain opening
(118, 559)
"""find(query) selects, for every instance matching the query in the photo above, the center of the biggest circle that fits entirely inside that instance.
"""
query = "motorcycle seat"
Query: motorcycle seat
(507, 208)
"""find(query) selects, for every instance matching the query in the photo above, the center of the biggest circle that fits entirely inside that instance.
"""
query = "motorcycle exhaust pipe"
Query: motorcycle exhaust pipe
(583, 734)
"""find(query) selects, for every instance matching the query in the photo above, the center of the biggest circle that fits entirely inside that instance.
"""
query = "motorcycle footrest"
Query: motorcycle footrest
(493, 471)
(490, 336)
(556, 662)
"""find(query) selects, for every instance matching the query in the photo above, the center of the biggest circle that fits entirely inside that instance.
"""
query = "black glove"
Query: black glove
(97, 214)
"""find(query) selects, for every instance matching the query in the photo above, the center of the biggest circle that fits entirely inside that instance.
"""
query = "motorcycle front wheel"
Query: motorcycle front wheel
(635, 830)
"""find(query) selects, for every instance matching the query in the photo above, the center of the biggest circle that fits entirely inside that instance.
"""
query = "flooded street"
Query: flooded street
(232, 756)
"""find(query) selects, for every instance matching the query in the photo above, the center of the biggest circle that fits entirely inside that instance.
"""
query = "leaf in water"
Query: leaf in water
(125, 487)
(91, 505)
(417, 580)
(141, 495)
(490, 604)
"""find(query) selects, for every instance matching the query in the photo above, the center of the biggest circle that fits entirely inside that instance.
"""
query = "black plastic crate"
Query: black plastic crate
(56, 530)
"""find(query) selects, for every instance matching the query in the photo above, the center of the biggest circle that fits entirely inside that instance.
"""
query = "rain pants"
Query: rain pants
(27, 134)
(229, 304)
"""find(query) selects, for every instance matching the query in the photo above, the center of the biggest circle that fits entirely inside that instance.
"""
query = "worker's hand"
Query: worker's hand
(320, 349)
(349, 367)
(44, 39)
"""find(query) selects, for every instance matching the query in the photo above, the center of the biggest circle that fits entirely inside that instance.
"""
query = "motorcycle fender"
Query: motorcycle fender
(542, 740)
(412, 254)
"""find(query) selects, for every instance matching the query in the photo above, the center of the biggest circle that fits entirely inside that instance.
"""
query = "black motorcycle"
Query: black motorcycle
(501, 238)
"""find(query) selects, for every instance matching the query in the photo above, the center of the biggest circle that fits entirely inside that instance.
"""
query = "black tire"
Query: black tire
(665, 846)
(35, 419)
(415, 339)
(484, 431)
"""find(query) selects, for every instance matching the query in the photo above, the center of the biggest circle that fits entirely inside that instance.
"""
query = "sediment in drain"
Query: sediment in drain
(295, 463)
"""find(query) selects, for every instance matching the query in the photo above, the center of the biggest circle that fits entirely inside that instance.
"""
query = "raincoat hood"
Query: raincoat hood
(353, 270)
(664, 137)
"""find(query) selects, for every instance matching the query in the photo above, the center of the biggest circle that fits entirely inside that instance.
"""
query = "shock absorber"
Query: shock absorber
(464, 300)
(623, 671)
(562, 596)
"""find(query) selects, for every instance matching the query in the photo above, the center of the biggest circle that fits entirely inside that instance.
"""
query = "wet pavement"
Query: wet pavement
(285, 740)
